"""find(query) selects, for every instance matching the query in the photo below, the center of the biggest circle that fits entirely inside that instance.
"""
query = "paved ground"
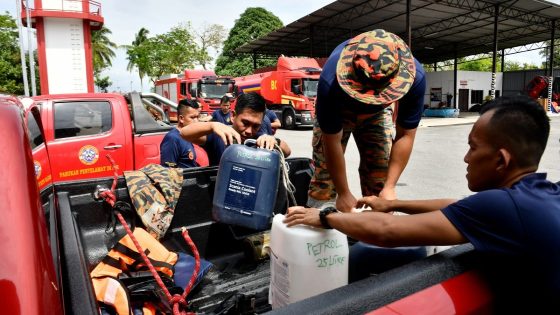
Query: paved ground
(436, 168)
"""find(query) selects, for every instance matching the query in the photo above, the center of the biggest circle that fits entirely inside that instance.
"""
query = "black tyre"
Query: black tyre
(288, 119)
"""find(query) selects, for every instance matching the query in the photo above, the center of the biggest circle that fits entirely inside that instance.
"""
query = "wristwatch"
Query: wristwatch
(323, 216)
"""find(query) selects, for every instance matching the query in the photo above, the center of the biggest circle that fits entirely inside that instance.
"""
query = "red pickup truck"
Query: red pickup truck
(80, 129)
(50, 242)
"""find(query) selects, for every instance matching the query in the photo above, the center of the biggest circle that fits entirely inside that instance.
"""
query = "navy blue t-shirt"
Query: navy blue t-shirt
(219, 116)
(521, 222)
(266, 127)
(176, 150)
(215, 147)
(331, 99)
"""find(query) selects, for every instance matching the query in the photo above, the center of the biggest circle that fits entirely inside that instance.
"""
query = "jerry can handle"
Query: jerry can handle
(250, 142)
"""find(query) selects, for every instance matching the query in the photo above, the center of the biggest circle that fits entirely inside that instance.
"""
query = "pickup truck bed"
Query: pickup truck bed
(237, 284)
(80, 224)
(457, 281)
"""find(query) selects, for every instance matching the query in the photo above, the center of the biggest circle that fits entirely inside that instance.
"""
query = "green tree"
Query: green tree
(252, 24)
(478, 65)
(140, 37)
(210, 36)
(515, 65)
(481, 64)
(11, 80)
(171, 52)
(530, 66)
(512, 66)
(545, 52)
(102, 49)
(103, 83)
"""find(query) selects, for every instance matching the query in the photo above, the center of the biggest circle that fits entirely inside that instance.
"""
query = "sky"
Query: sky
(125, 17)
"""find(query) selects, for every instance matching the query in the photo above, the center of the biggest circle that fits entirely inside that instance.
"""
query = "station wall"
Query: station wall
(472, 87)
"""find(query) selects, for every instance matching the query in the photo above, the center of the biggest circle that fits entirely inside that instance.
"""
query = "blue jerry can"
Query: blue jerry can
(246, 186)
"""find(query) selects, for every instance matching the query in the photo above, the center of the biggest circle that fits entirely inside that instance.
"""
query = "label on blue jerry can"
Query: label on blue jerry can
(243, 188)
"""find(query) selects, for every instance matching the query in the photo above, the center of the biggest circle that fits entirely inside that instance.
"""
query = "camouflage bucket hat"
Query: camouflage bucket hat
(376, 67)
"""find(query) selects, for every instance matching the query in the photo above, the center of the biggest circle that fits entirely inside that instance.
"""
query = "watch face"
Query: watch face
(329, 210)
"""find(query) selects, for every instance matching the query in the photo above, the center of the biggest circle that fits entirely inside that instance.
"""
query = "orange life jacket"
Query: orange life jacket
(124, 257)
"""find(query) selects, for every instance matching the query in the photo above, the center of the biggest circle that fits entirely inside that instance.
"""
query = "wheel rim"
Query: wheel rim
(289, 120)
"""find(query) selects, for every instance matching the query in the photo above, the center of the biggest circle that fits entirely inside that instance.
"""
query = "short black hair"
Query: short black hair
(184, 103)
(252, 101)
(521, 125)
(225, 98)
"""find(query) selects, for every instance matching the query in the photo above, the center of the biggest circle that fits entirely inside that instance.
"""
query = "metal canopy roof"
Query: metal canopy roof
(439, 27)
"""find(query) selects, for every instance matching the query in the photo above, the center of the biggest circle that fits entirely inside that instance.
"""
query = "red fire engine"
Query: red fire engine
(290, 89)
(202, 85)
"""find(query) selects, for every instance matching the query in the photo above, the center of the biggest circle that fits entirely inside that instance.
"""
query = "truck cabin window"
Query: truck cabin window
(72, 119)
(183, 88)
(215, 91)
(296, 86)
(193, 88)
(310, 87)
(33, 131)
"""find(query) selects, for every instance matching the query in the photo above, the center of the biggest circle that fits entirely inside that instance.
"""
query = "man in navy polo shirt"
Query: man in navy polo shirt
(359, 88)
(246, 122)
(270, 123)
(513, 218)
(177, 152)
(223, 114)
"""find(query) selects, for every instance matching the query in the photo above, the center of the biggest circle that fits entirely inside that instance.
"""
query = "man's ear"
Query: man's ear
(505, 161)
(233, 114)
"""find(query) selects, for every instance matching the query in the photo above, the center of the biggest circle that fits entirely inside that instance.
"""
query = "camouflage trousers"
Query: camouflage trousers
(373, 134)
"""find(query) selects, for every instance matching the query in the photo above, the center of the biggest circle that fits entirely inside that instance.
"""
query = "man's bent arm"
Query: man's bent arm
(285, 148)
(383, 229)
(276, 124)
(407, 206)
(400, 154)
(197, 132)
(336, 165)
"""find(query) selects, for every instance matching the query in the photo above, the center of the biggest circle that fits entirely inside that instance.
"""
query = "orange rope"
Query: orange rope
(177, 301)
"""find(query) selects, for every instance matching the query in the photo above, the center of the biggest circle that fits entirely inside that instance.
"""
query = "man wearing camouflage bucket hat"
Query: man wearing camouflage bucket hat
(363, 81)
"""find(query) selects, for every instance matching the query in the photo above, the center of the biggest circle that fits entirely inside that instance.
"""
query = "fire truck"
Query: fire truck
(537, 89)
(203, 85)
(290, 89)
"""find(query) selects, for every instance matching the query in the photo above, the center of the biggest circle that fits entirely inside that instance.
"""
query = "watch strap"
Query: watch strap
(323, 216)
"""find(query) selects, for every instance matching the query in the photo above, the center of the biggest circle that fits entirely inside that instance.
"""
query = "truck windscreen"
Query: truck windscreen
(213, 90)
(310, 87)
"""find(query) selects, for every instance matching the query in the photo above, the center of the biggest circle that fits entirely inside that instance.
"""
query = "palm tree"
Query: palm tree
(102, 49)
(141, 36)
